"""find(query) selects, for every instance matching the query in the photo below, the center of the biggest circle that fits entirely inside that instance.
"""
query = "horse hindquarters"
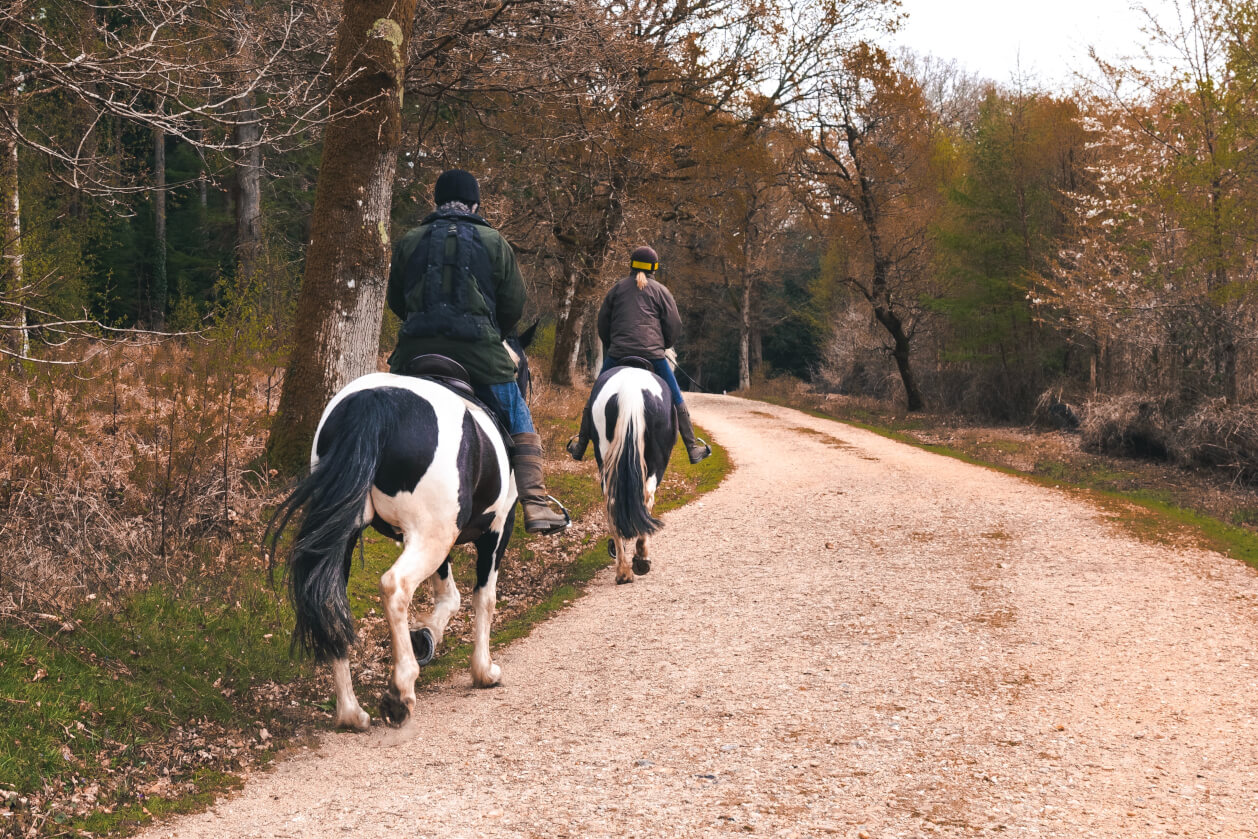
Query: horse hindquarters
(627, 484)
(335, 498)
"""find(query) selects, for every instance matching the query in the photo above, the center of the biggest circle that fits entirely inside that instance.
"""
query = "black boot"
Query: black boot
(696, 448)
(577, 445)
(526, 463)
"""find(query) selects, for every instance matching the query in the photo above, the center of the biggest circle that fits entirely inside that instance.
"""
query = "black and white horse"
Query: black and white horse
(635, 428)
(423, 465)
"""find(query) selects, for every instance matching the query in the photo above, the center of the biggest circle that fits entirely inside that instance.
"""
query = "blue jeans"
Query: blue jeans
(662, 369)
(512, 407)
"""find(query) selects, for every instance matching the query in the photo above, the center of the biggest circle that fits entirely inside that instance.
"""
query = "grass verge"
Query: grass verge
(1146, 502)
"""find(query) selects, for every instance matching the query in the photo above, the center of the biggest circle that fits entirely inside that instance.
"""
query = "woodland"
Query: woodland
(199, 195)
(197, 200)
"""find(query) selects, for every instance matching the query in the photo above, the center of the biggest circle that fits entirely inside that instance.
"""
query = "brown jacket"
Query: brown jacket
(642, 322)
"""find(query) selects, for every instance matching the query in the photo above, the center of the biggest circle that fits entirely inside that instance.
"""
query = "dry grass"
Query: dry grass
(138, 466)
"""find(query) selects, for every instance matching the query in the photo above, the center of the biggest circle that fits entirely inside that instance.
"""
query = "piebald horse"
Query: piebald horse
(421, 464)
(635, 429)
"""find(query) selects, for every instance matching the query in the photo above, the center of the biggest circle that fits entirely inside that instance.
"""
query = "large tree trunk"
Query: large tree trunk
(337, 333)
(11, 276)
(157, 299)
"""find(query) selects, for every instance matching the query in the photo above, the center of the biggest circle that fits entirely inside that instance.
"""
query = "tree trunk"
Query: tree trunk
(744, 337)
(878, 293)
(568, 328)
(337, 332)
(248, 190)
(157, 299)
(11, 236)
(247, 186)
(593, 347)
(900, 352)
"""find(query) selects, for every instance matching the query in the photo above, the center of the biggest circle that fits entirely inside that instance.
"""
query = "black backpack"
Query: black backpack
(464, 310)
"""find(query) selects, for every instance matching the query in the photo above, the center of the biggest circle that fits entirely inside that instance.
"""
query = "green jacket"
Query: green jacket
(486, 360)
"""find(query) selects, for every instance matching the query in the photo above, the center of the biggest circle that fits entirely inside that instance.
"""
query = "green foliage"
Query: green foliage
(1001, 227)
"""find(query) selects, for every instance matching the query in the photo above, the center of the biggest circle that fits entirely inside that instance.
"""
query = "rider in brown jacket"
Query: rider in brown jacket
(639, 318)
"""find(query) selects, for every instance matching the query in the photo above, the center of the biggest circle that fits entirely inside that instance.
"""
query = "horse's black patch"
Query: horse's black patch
(469, 468)
(409, 449)
(479, 480)
(661, 431)
(486, 549)
(611, 413)
(385, 529)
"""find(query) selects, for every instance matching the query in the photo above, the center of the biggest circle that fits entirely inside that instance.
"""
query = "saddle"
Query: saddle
(443, 370)
(635, 361)
(453, 376)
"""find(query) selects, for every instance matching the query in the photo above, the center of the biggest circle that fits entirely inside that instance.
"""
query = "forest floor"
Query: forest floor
(849, 637)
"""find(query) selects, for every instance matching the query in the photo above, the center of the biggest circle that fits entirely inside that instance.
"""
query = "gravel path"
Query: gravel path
(850, 637)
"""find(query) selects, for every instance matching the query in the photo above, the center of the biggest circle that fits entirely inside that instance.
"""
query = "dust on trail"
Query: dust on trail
(849, 637)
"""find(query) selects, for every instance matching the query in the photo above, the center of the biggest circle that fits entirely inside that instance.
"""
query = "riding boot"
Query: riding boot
(577, 445)
(526, 463)
(696, 447)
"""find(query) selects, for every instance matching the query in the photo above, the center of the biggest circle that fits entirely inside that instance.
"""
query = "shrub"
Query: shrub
(1221, 435)
(1128, 425)
(1052, 411)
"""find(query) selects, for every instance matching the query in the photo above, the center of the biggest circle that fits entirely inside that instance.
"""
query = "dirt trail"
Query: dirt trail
(849, 637)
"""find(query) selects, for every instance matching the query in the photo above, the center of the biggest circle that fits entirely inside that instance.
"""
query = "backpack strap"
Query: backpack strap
(445, 310)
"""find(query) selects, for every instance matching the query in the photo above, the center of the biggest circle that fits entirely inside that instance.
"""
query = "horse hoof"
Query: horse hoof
(360, 721)
(392, 709)
(641, 565)
(491, 679)
(611, 548)
(620, 581)
(423, 645)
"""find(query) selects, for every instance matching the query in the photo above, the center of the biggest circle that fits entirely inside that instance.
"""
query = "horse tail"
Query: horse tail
(334, 496)
(625, 470)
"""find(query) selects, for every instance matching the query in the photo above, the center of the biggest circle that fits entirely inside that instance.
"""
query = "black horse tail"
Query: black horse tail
(334, 498)
(625, 470)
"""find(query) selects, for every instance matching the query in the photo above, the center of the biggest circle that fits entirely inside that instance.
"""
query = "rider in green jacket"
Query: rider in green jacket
(455, 284)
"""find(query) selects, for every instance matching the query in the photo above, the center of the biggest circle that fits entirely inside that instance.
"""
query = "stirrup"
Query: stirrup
(570, 447)
(707, 451)
(567, 519)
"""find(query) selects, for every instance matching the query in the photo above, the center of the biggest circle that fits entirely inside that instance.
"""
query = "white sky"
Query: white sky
(1049, 38)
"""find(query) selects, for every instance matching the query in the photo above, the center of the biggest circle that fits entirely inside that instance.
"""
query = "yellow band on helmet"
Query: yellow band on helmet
(644, 266)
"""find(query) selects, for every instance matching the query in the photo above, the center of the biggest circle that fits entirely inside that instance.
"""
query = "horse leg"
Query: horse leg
(489, 551)
(349, 714)
(642, 549)
(426, 635)
(641, 556)
(623, 574)
(397, 586)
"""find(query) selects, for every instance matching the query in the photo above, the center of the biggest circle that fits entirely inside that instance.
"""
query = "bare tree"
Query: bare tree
(869, 175)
